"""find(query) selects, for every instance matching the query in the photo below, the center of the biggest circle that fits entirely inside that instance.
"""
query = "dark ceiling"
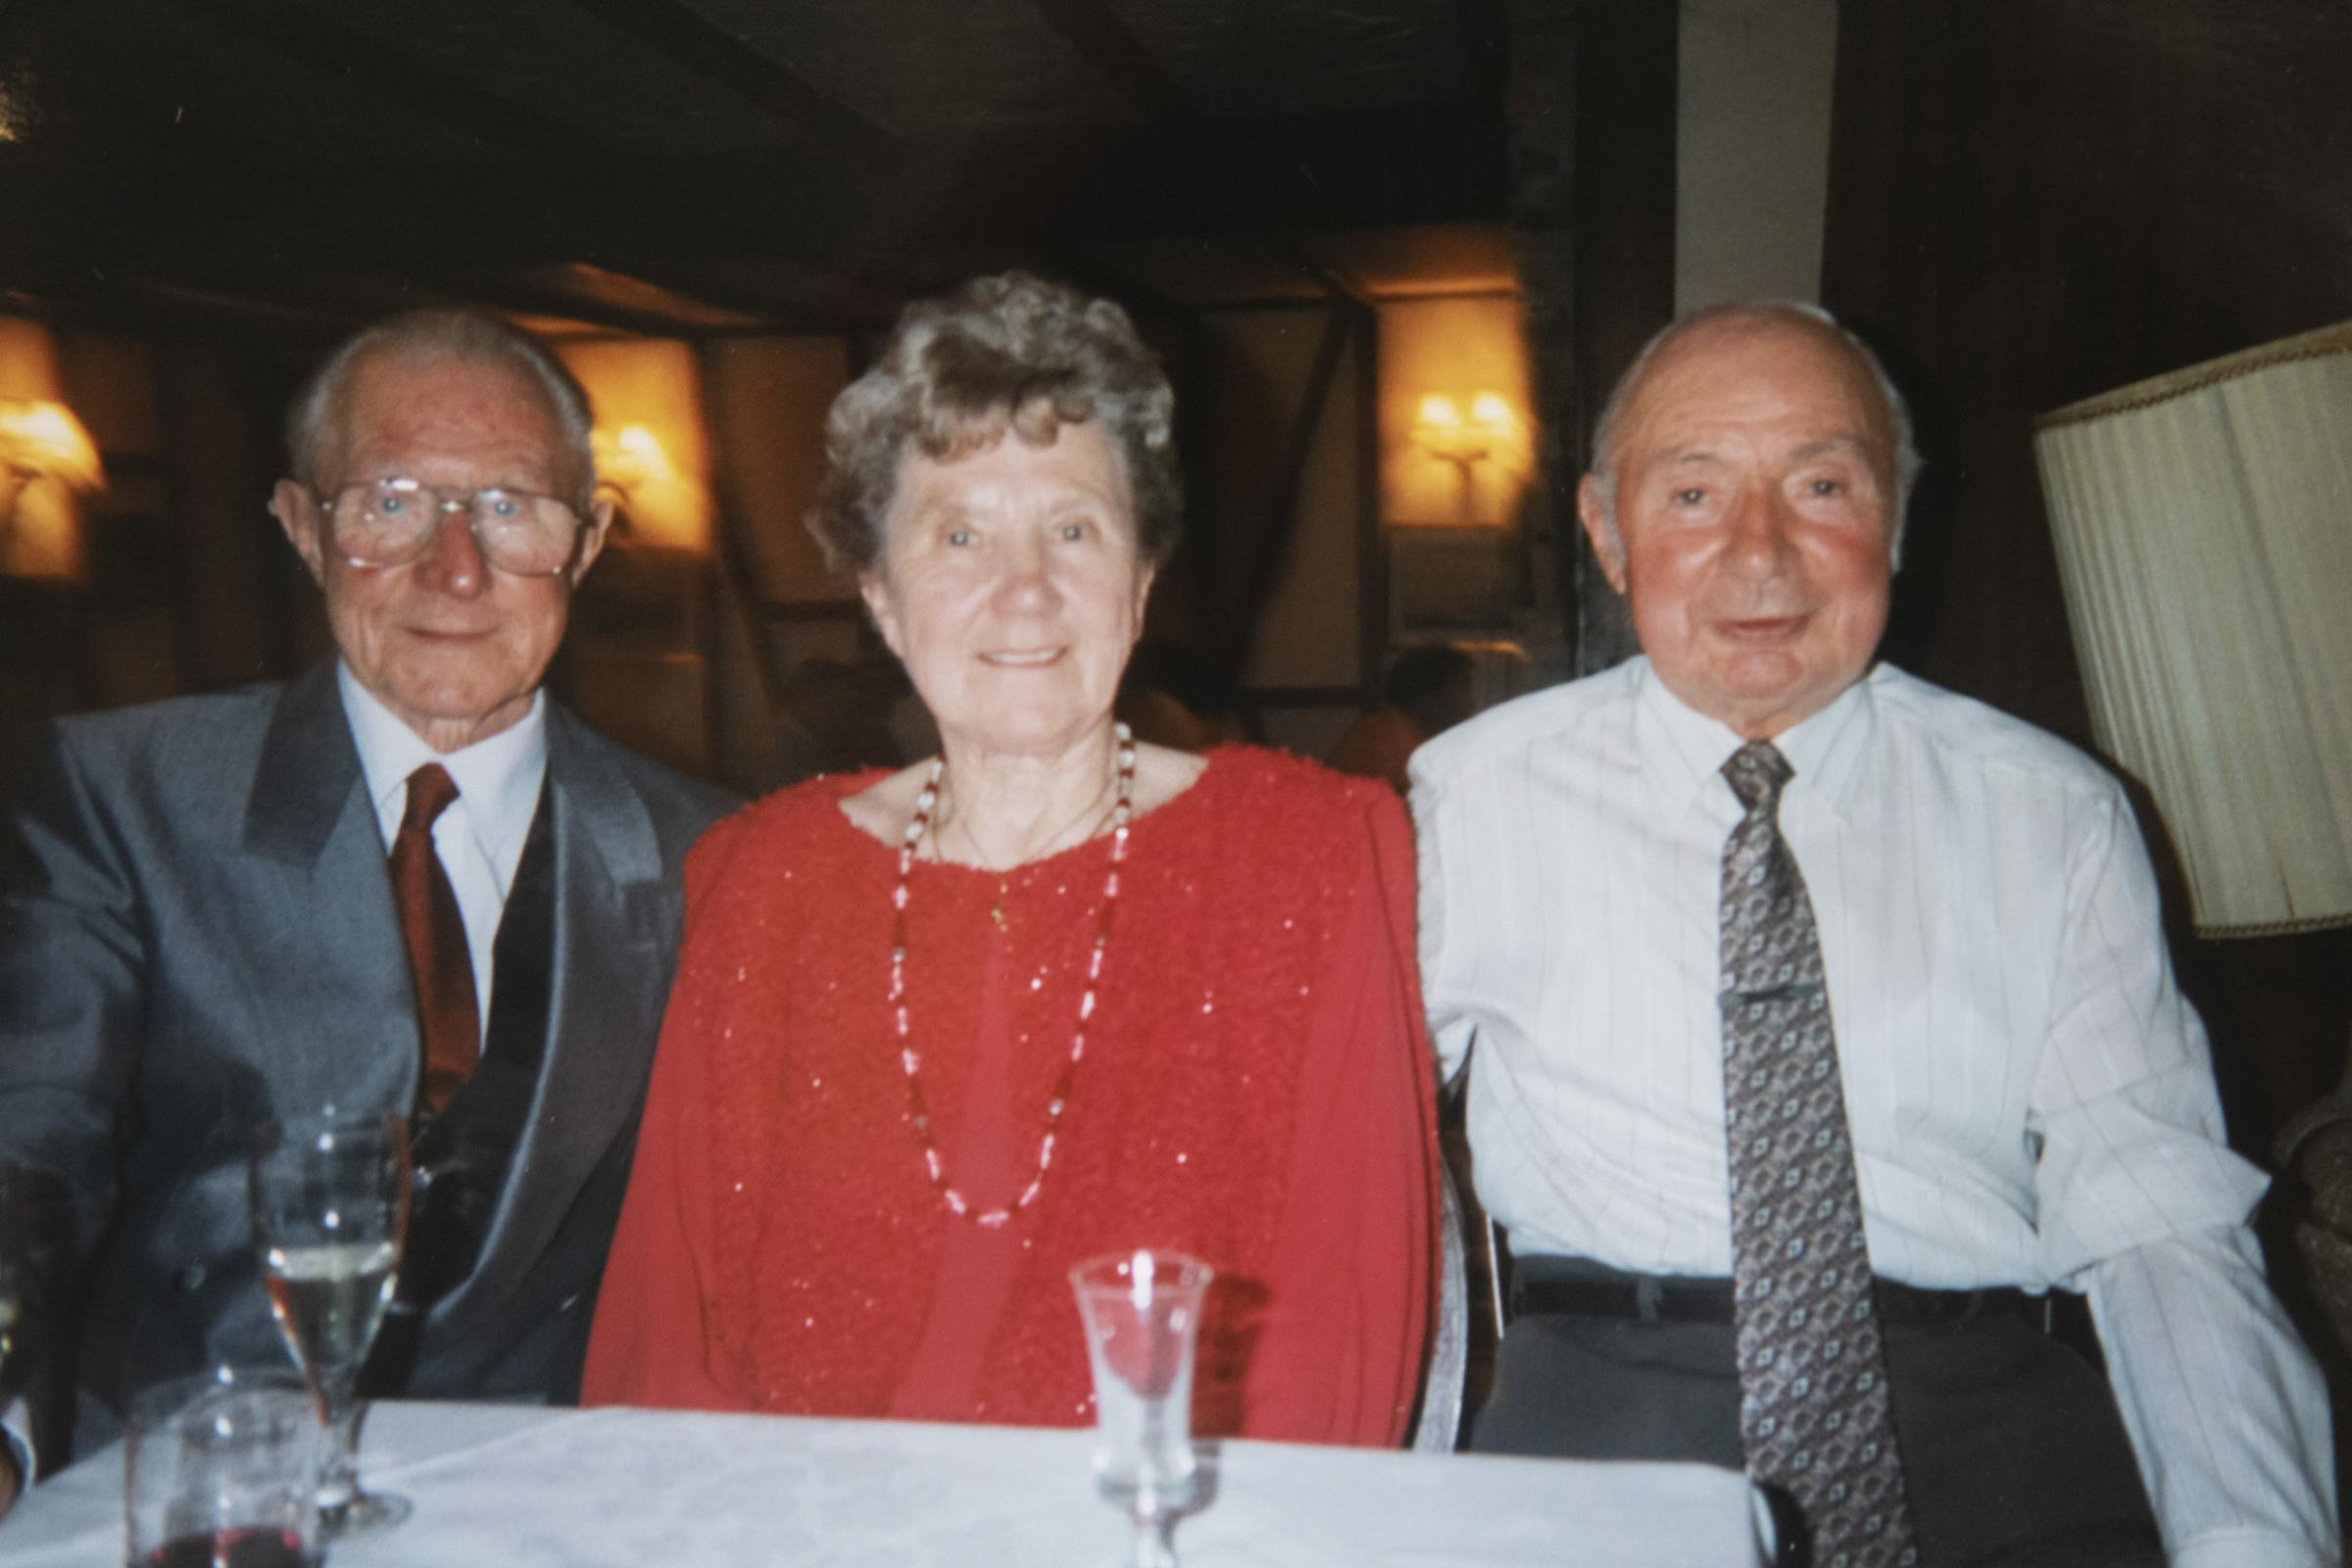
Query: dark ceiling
(714, 166)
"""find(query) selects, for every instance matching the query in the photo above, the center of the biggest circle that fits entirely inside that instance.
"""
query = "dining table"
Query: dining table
(532, 1487)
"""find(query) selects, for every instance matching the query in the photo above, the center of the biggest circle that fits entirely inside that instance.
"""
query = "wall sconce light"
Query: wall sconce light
(658, 502)
(42, 440)
(627, 461)
(1491, 432)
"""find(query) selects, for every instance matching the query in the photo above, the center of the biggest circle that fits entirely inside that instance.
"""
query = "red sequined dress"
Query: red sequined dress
(1255, 1091)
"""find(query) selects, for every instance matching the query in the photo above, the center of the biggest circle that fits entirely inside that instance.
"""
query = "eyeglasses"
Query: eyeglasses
(390, 522)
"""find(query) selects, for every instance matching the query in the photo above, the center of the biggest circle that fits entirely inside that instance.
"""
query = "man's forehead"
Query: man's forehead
(393, 384)
(418, 407)
(1857, 445)
(1742, 368)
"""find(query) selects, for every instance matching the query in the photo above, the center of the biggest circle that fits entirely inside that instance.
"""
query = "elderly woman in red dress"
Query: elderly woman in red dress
(938, 1035)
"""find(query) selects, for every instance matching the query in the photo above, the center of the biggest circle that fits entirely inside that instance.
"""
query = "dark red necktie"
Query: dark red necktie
(435, 933)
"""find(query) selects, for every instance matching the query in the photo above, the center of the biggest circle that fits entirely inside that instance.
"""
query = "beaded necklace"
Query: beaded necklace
(918, 1114)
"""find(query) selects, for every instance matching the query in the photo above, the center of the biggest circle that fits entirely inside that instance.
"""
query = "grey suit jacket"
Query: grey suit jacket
(197, 934)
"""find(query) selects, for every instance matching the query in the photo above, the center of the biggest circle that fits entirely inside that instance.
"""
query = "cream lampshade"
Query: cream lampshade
(2203, 521)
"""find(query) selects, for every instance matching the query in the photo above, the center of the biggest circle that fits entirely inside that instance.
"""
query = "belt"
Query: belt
(1666, 1298)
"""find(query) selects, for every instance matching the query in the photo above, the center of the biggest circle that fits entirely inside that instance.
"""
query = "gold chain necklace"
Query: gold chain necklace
(936, 829)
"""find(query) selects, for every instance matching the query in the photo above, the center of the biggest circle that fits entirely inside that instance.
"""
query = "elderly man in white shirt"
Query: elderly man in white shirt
(1678, 906)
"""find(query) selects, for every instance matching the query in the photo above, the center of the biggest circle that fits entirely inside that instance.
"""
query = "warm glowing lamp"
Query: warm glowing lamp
(630, 458)
(1490, 431)
(42, 440)
(1490, 412)
(633, 468)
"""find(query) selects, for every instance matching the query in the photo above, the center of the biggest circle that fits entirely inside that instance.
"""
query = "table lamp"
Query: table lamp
(2204, 522)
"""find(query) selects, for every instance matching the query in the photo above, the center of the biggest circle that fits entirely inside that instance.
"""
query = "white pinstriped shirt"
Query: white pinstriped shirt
(2031, 1099)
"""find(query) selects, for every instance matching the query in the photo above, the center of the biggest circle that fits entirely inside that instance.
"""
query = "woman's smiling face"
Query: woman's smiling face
(1010, 587)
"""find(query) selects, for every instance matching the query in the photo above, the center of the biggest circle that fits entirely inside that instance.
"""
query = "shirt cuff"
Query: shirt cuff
(2249, 1548)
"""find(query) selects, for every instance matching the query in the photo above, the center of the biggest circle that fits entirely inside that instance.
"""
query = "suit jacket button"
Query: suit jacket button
(191, 1278)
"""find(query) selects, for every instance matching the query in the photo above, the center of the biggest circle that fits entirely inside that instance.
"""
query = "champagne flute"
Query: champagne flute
(330, 1210)
(1142, 1311)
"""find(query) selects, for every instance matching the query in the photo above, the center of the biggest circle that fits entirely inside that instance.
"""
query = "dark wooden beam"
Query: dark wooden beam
(1628, 62)
(181, 215)
(312, 36)
(1114, 53)
(793, 295)
(532, 297)
(1432, 163)
(626, 291)
(1337, 280)
(1485, 26)
(1541, 100)
(1371, 549)
(1280, 518)
(737, 575)
(717, 56)
(1094, 274)
(345, 300)
(179, 210)
(138, 304)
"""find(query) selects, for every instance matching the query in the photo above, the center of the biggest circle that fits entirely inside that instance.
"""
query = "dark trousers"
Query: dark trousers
(2013, 1453)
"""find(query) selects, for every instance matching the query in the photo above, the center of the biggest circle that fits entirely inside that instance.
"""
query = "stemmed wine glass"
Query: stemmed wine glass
(330, 1210)
(1142, 1311)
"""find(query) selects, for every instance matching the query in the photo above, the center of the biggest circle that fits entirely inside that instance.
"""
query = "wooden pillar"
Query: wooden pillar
(1592, 107)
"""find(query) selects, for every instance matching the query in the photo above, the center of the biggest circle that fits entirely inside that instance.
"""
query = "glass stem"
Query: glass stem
(338, 1472)
(1154, 1539)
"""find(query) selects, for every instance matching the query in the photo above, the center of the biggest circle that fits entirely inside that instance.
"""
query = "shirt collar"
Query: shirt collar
(1684, 751)
(497, 778)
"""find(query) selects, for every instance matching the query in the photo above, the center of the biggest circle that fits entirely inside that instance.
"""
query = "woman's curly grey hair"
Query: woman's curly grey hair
(1011, 352)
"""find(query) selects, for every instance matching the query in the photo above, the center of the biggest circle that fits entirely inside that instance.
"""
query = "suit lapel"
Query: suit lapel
(308, 770)
(608, 988)
(348, 1013)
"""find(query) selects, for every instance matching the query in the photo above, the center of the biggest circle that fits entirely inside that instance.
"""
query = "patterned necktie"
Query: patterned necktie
(447, 1019)
(1813, 1405)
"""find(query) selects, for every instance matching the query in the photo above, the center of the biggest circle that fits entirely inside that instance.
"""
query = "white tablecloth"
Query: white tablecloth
(508, 1486)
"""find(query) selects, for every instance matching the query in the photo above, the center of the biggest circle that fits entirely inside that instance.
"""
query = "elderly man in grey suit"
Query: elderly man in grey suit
(407, 880)
(1825, 1040)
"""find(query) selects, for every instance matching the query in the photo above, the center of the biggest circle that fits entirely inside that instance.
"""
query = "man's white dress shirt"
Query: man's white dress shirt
(479, 837)
(2031, 1097)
